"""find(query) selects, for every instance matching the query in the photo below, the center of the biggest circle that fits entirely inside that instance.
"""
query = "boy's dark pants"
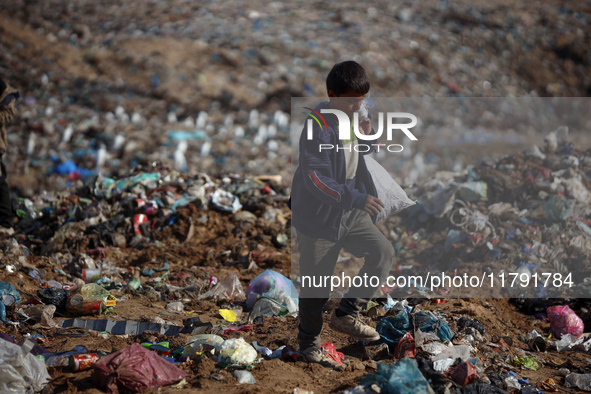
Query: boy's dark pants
(6, 217)
(318, 257)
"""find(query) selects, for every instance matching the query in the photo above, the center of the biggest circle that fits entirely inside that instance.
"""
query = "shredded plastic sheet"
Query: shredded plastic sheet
(228, 289)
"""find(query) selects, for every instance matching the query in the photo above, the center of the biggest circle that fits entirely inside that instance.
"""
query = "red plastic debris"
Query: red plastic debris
(464, 373)
(405, 347)
(565, 321)
(239, 328)
(135, 369)
(331, 352)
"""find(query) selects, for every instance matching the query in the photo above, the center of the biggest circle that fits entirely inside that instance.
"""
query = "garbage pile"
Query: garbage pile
(522, 215)
(431, 357)
(185, 53)
(78, 259)
(100, 93)
(185, 275)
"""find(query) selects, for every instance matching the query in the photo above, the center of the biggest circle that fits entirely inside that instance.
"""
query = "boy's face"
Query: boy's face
(348, 102)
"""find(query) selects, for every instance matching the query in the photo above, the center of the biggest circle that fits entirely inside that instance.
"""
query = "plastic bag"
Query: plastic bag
(405, 347)
(53, 296)
(21, 372)
(244, 377)
(8, 289)
(465, 322)
(427, 322)
(92, 299)
(454, 352)
(404, 377)
(332, 353)
(472, 191)
(464, 373)
(228, 288)
(557, 209)
(392, 328)
(267, 307)
(566, 342)
(9, 296)
(439, 202)
(273, 286)
(433, 348)
(224, 201)
(175, 307)
(42, 314)
(238, 351)
(578, 380)
(391, 194)
(135, 369)
(107, 187)
(565, 321)
(207, 340)
(527, 362)
(443, 365)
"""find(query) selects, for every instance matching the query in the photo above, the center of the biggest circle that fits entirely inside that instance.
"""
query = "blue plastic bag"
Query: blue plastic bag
(274, 286)
(404, 377)
(427, 322)
(7, 290)
(392, 328)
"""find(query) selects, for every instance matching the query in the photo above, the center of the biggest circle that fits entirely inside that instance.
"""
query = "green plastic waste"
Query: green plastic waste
(527, 362)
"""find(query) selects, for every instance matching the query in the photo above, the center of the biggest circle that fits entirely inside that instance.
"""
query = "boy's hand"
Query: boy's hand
(373, 205)
(365, 126)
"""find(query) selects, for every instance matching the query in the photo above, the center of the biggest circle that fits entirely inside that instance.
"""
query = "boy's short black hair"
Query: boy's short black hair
(2, 86)
(347, 76)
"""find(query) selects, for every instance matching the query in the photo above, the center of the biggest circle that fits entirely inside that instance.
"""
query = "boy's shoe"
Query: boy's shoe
(354, 327)
(315, 355)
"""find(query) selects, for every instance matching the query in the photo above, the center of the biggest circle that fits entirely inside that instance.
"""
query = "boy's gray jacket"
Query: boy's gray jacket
(320, 192)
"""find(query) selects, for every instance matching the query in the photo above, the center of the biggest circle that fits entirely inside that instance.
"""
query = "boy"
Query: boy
(7, 110)
(333, 201)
